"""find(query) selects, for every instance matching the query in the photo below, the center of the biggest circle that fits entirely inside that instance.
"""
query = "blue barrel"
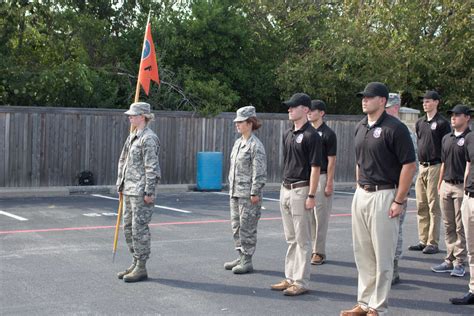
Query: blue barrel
(209, 171)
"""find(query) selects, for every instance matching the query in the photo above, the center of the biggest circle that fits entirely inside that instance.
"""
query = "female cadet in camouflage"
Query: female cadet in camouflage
(138, 174)
(247, 176)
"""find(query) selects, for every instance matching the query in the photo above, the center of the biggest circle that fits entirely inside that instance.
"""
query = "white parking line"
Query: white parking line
(158, 206)
(278, 200)
(352, 193)
(264, 198)
(13, 216)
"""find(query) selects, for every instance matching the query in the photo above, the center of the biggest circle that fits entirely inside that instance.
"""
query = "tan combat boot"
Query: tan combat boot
(231, 264)
(120, 275)
(245, 265)
(138, 274)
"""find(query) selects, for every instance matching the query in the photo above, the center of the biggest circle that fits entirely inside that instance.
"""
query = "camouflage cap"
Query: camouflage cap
(393, 99)
(244, 113)
(139, 108)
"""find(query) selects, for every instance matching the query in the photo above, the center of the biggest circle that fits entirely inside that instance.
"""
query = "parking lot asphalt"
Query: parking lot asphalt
(56, 259)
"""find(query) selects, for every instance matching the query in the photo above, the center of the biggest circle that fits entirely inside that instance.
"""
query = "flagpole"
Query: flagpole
(137, 98)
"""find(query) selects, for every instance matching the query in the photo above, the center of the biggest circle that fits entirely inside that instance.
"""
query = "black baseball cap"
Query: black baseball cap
(460, 109)
(298, 99)
(374, 89)
(318, 105)
(433, 95)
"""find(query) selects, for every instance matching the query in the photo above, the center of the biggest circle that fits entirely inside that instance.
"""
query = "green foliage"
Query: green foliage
(218, 55)
(410, 45)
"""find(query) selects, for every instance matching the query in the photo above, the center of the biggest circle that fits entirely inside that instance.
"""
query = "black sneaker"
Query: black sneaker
(430, 250)
(417, 247)
(468, 299)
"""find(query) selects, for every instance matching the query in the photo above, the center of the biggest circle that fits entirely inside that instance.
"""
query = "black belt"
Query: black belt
(323, 172)
(469, 194)
(375, 187)
(429, 163)
(454, 181)
(295, 185)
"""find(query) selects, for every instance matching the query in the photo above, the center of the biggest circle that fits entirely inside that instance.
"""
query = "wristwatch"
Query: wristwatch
(310, 196)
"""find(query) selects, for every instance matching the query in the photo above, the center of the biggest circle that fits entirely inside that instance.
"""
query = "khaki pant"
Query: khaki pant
(427, 203)
(375, 237)
(451, 196)
(320, 217)
(467, 211)
(296, 224)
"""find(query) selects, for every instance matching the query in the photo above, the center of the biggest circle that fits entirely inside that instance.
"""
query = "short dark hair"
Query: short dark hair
(256, 123)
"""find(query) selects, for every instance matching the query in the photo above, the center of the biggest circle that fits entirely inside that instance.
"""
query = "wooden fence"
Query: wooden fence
(42, 147)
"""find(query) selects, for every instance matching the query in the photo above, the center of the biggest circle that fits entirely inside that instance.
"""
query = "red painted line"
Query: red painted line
(53, 229)
(47, 230)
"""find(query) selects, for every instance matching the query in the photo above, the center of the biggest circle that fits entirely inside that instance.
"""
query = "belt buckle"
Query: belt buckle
(368, 188)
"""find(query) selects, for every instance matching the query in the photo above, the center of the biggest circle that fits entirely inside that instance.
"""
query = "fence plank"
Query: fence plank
(50, 146)
(3, 148)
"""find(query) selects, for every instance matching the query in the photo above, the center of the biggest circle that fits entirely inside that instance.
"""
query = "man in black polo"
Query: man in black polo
(430, 130)
(385, 168)
(467, 210)
(451, 191)
(301, 167)
(324, 194)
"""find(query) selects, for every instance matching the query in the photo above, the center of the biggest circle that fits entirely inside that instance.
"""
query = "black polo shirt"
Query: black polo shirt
(301, 150)
(453, 154)
(329, 145)
(469, 151)
(429, 135)
(382, 149)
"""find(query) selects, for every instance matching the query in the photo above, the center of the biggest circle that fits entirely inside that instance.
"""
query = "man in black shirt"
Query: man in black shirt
(451, 191)
(324, 194)
(467, 210)
(301, 167)
(385, 168)
(430, 130)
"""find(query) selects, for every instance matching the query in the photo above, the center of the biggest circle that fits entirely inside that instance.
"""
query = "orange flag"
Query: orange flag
(148, 66)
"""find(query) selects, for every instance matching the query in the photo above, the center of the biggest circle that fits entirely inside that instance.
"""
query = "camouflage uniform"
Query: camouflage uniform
(138, 174)
(247, 176)
(394, 99)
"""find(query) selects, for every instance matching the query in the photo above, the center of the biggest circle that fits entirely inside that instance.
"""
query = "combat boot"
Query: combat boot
(138, 274)
(396, 275)
(231, 264)
(245, 265)
(120, 275)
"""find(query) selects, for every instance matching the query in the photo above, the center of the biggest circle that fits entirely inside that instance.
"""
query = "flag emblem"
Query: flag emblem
(146, 50)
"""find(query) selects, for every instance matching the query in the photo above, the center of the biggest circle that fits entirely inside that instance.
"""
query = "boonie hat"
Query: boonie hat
(433, 95)
(318, 105)
(393, 99)
(460, 109)
(244, 113)
(298, 99)
(139, 108)
(374, 89)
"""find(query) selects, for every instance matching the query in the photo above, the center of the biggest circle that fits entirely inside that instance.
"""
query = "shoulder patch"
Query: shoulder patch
(299, 138)
(377, 132)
